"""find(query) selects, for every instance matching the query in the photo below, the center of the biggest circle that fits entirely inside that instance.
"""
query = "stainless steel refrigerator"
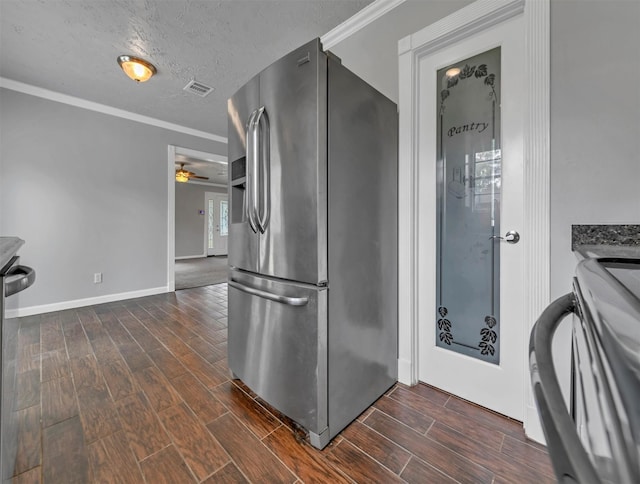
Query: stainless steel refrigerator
(313, 240)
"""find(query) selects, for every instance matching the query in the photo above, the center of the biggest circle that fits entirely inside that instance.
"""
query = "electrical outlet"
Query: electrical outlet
(97, 278)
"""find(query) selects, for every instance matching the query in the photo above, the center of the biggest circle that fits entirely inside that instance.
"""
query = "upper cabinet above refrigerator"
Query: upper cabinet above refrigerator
(278, 155)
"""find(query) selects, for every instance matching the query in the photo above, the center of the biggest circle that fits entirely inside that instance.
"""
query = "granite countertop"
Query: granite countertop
(596, 241)
(8, 248)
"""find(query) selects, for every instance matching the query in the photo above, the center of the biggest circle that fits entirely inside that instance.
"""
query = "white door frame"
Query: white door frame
(172, 151)
(217, 196)
(469, 20)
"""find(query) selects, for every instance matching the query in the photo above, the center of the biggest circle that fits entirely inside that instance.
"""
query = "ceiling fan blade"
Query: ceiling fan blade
(199, 177)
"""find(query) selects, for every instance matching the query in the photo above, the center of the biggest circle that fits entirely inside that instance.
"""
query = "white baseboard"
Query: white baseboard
(184, 257)
(78, 303)
(532, 426)
(404, 372)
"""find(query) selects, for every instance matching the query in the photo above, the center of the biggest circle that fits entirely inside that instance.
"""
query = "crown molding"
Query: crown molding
(358, 21)
(104, 109)
(475, 17)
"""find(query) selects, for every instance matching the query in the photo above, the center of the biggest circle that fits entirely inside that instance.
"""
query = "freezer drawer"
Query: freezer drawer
(277, 345)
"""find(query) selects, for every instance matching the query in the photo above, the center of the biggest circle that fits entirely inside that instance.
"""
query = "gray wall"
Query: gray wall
(190, 225)
(372, 52)
(88, 193)
(595, 122)
(595, 115)
(595, 132)
(595, 107)
(92, 188)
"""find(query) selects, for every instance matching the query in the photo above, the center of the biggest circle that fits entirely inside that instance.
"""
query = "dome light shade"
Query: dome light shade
(137, 69)
(453, 72)
(181, 177)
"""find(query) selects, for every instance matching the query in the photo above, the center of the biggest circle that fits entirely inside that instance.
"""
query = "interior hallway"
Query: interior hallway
(203, 271)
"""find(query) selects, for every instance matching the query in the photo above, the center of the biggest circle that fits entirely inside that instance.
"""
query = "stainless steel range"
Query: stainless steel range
(13, 279)
(598, 438)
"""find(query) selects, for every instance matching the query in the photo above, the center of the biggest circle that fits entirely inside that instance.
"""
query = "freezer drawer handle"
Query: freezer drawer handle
(26, 279)
(290, 301)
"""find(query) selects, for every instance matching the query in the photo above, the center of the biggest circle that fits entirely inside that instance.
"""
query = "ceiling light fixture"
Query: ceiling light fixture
(137, 69)
(184, 176)
(181, 177)
(453, 72)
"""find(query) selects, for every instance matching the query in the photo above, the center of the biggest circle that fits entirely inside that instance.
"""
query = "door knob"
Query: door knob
(512, 237)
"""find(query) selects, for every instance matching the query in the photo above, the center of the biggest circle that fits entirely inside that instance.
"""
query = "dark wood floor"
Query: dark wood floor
(138, 391)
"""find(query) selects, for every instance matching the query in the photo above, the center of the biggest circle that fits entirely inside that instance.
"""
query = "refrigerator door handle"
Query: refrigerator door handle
(264, 208)
(290, 301)
(251, 172)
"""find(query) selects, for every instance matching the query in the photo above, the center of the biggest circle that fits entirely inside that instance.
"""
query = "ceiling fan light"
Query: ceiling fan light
(137, 69)
(182, 178)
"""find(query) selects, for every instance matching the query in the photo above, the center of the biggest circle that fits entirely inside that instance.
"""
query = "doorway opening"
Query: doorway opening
(216, 230)
(196, 254)
(417, 217)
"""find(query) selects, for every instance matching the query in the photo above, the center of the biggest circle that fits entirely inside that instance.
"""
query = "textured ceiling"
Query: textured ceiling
(71, 46)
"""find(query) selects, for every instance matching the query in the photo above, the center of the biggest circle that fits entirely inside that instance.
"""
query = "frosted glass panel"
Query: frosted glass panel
(469, 184)
(224, 218)
(210, 223)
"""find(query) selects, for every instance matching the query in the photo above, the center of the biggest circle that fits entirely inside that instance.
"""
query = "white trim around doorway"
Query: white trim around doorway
(467, 21)
(171, 220)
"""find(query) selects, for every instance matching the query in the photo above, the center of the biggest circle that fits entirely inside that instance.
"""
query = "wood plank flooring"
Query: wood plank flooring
(138, 391)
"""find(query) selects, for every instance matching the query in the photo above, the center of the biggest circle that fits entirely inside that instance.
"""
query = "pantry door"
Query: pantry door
(471, 105)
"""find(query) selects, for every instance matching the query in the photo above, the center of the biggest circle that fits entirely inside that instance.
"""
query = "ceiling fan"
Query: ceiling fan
(184, 176)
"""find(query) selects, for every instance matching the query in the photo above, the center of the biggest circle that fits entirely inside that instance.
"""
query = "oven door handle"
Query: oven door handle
(571, 462)
(21, 277)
